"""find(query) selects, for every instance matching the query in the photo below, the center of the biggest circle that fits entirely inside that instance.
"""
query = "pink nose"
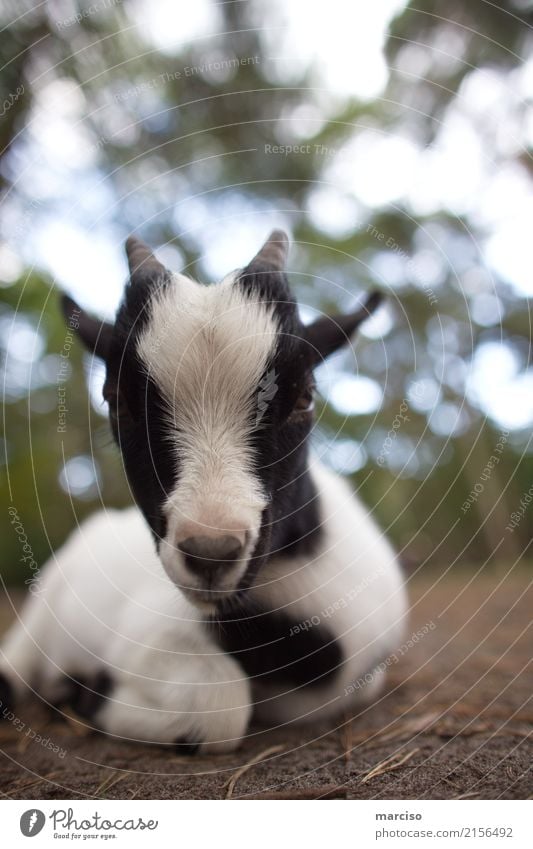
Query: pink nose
(196, 530)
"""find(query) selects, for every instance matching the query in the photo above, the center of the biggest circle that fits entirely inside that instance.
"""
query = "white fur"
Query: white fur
(105, 600)
(354, 586)
(206, 348)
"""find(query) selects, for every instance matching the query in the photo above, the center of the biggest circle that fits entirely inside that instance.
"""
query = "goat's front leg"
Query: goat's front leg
(196, 702)
(188, 694)
(145, 681)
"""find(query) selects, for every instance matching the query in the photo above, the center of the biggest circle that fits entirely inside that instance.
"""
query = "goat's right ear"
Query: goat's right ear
(327, 334)
(95, 334)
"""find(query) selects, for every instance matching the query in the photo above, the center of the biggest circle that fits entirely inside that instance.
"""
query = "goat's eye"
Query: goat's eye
(304, 406)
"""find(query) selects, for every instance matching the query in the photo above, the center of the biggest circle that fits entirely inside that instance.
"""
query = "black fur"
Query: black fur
(272, 648)
(291, 523)
(85, 696)
(135, 404)
(185, 746)
(136, 409)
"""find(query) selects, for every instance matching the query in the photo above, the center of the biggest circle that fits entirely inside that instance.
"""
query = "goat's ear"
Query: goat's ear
(326, 335)
(95, 334)
(273, 254)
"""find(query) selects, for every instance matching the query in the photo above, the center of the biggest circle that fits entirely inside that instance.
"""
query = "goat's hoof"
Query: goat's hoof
(86, 695)
(184, 746)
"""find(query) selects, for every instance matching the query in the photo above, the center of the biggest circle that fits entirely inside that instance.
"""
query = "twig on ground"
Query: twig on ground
(8, 735)
(388, 765)
(373, 737)
(17, 787)
(513, 732)
(110, 781)
(25, 741)
(77, 724)
(347, 740)
(409, 727)
(329, 791)
(447, 728)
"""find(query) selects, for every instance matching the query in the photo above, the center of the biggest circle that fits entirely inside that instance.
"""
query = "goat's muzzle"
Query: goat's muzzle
(209, 557)
(207, 566)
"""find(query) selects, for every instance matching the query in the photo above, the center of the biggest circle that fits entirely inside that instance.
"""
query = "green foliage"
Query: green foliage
(39, 437)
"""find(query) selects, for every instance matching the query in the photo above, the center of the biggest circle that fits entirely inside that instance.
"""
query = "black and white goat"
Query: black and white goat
(268, 587)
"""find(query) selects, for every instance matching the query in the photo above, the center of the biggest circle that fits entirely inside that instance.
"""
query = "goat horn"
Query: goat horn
(275, 251)
(141, 259)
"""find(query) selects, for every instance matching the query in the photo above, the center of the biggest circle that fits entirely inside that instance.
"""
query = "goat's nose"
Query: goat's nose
(204, 554)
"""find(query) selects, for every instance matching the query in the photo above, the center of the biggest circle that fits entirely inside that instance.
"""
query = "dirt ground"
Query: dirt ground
(456, 722)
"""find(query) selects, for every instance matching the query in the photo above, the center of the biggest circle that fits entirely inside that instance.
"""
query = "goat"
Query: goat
(248, 576)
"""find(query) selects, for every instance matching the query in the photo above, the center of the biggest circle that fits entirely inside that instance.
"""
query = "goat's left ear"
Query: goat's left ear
(95, 334)
(326, 335)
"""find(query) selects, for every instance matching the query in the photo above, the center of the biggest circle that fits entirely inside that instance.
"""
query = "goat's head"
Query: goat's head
(210, 393)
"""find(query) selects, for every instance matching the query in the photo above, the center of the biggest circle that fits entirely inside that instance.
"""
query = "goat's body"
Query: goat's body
(309, 630)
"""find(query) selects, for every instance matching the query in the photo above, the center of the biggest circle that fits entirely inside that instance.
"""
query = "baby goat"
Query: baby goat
(248, 576)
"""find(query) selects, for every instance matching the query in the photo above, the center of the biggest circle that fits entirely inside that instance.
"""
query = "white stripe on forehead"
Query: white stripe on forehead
(206, 348)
